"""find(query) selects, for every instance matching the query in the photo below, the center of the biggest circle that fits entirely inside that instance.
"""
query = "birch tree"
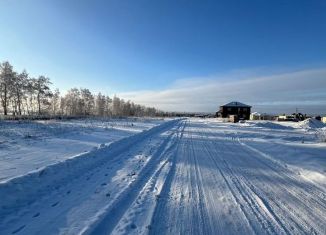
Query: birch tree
(6, 76)
(42, 91)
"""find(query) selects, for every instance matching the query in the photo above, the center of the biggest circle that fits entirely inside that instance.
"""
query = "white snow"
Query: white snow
(189, 176)
(310, 123)
(27, 146)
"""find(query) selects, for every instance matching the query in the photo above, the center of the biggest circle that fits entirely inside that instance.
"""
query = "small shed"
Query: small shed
(242, 111)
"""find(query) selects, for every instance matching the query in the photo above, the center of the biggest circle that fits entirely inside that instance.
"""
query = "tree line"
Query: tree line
(21, 94)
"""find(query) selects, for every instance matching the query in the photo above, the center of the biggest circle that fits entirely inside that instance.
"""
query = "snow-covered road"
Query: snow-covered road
(227, 187)
(181, 177)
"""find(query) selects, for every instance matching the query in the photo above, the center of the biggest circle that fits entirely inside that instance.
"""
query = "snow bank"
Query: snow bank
(321, 134)
(27, 188)
(269, 125)
(27, 146)
(307, 124)
(310, 123)
(314, 176)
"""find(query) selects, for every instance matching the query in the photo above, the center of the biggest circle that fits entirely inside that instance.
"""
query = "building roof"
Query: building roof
(236, 104)
(256, 113)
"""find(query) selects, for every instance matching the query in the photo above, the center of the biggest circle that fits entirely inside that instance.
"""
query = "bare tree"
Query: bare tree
(116, 106)
(71, 101)
(6, 77)
(18, 90)
(100, 104)
(55, 102)
(42, 91)
(21, 94)
(87, 101)
(30, 95)
(108, 106)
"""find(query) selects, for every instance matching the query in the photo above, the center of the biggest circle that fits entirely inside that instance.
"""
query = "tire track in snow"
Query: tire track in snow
(192, 216)
(269, 201)
(53, 218)
(271, 198)
(198, 183)
(276, 166)
(137, 219)
(184, 196)
(240, 194)
(200, 220)
(270, 219)
(297, 193)
(254, 198)
(114, 213)
(280, 222)
(268, 198)
(161, 205)
(198, 211)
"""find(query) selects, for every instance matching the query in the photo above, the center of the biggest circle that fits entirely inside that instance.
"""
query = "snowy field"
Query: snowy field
(27, 146)
(189, 176)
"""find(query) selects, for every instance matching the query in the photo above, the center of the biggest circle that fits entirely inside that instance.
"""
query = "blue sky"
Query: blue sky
(133, 48)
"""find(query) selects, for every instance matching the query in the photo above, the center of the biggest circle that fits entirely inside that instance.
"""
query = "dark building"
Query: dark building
(242, 111)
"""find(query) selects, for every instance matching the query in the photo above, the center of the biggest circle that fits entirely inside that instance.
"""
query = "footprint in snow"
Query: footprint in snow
(41, 173)
(103, 184)
(18, 229)
(97, 191)
(132, 174)
(54, 204)
(69, 191)
(36, 215)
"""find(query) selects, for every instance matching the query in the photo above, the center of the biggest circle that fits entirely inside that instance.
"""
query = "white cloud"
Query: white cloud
(305, 89)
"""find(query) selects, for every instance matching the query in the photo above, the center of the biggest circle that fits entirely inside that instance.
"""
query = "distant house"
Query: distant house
(255, 116)
(242, 111)
(287, 118)
(323, 119)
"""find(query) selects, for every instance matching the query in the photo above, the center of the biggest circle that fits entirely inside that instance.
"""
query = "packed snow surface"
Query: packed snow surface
(187, 176)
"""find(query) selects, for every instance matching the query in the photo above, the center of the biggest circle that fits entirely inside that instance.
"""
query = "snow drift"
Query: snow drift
(270, 125)
(310, 123)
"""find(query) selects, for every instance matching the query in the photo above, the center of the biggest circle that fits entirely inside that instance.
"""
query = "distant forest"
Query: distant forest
(22, 95)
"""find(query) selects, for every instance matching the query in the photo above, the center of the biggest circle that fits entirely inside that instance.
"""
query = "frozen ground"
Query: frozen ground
(30, 145)
(191, 176)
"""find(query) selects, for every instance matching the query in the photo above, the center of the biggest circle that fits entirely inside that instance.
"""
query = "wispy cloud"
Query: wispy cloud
(305, 89)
